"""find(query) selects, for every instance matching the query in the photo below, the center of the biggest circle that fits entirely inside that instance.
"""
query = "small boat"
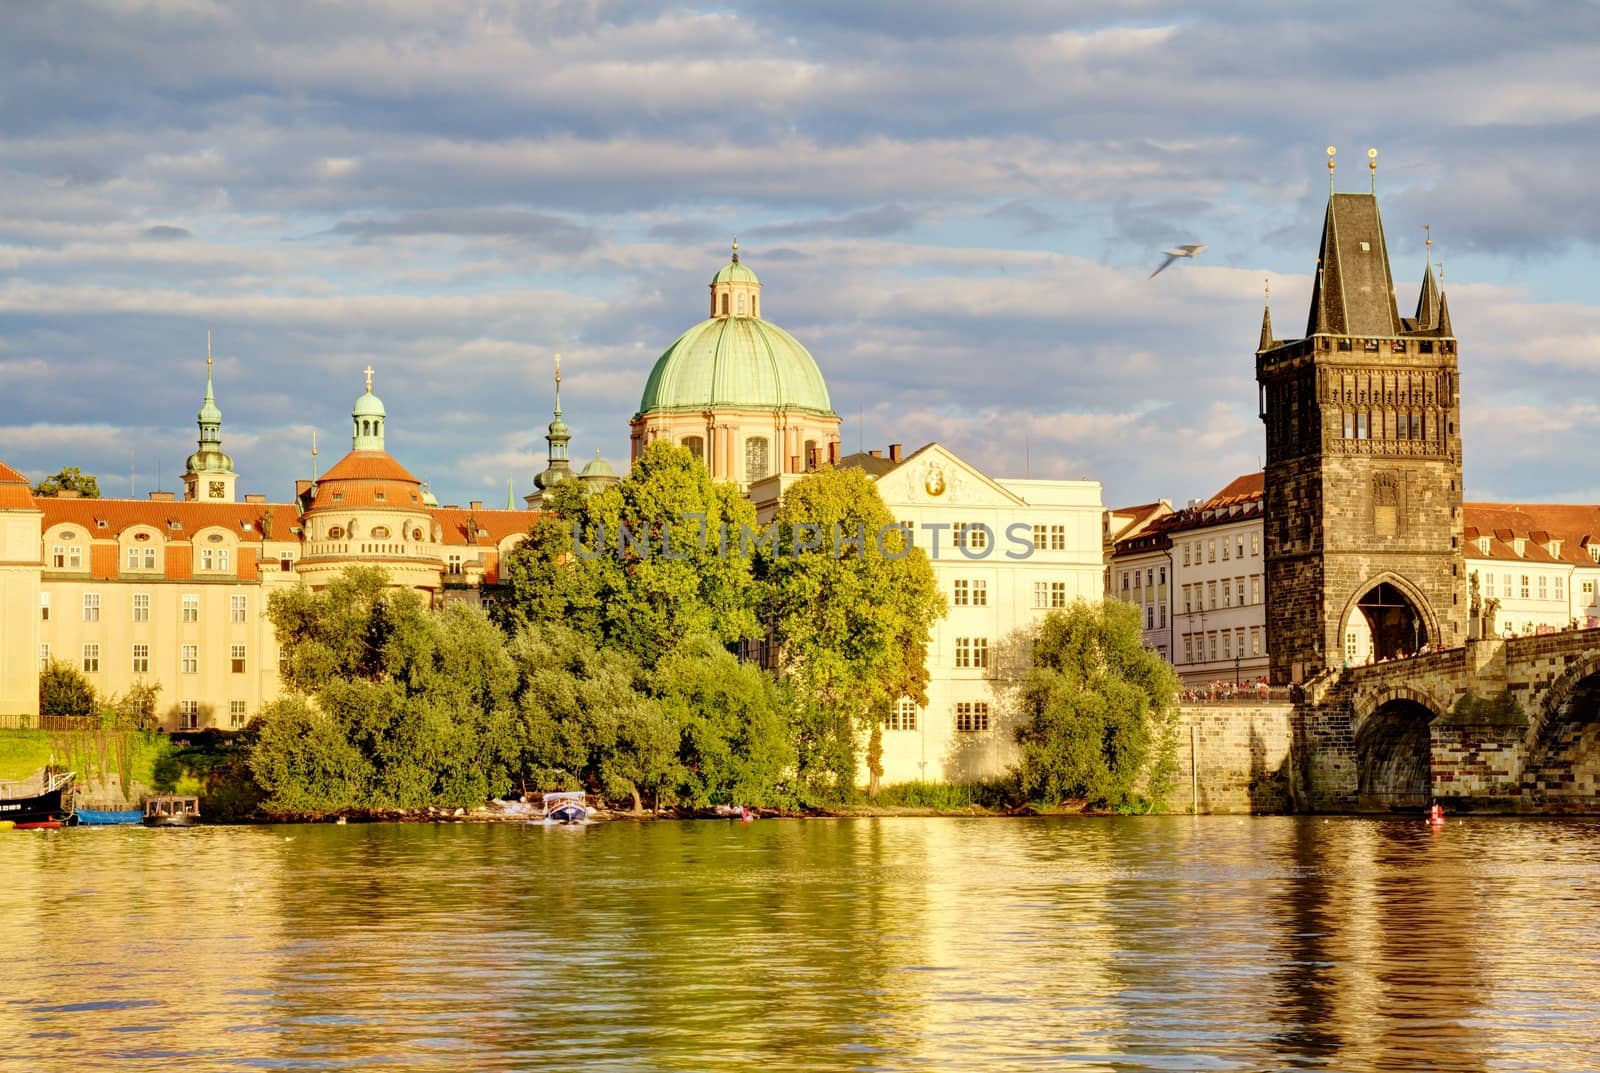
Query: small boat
(51, 807)
(108, 817)
(567, 806)
(169, 810)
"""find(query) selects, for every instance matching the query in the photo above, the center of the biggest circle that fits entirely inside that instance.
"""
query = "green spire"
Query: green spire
(209, 458)
(558, 468)
(369, 416)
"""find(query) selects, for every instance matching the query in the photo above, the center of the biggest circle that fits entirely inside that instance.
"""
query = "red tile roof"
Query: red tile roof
(1537, 524)
(493, 525)
(368, 465)
(190, 518)
(15, 492)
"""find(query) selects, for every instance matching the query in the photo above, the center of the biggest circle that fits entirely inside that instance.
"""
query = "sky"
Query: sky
(955, 206)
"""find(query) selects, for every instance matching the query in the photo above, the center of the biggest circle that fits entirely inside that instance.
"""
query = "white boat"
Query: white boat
(566, 806)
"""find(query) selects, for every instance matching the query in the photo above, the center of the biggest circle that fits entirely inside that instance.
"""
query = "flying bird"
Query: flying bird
(1188, 249)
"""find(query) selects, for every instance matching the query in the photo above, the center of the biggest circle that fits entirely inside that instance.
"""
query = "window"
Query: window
(236, 658)
(1239, 547)
(91, 658)
(1211, 595)
(1188, 648)
(1058, 538)
(1227, 644)
(1186, 553)
(44, 607)
(1560, 587)
(63, 557)
(1238, 640)
(1041, 594)
(188, 715)
(1149, 617)
(286, 563)
(1588, 588)
(1542, 595)
(236, 714)
(756, 464)
(1524, 591)
(1188, 605)
(1227, 592)
(208, 559)
(1255, 589)
(1211, 643)
(191, 659)
(1488, 585)
(44, 657)
(1058, 594)
(191, 608)
(238, 606)
(972, 652)
(1255, 543)
(1124, 581)
(453, 563)
(1211, 551)
(962, 595)
(58, 557)
(1225, 548)
(141, 659)
(696, 446)
(972, 716)
(1041, 537)
(141, 607)
(1255, 640)
(903, 716)
(91, 607)
(1162, 617)
(971, 535)
(141, 558)
(980, 592)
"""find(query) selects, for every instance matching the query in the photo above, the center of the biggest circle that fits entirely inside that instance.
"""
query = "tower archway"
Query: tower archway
(1388, 619)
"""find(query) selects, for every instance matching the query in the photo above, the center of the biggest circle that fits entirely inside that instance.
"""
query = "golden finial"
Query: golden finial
(1331, 151)
(558, 370)
(208, 351)
(1267, 288)
(1372, 166)
(369, 379)
(1427, 241)
(1441, 275)
(735, 249)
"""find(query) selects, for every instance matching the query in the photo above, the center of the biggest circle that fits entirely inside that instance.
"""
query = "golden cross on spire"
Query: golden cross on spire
(558, 370)
(368, 371)
(735, 249)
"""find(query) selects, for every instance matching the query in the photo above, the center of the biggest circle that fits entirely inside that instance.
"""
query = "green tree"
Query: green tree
(851, 618)
(339, 632)
(583, 719)
(69, 480)
(304, 762)
(671, 578)
(64, 690)
(734, 745)
(1101, 723)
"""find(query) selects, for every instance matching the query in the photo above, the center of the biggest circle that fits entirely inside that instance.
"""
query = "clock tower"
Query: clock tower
(208, 476)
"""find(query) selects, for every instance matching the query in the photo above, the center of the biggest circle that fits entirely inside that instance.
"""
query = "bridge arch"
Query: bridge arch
(1561, 767)
(1393, 740)
(1393, 612)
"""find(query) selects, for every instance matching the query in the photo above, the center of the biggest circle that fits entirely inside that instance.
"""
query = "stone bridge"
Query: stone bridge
(1502, 725)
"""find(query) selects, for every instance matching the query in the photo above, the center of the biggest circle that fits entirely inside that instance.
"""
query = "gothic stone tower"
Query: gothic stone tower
(1363, 470)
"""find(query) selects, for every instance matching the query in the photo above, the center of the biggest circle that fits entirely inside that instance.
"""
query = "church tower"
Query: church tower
(208, 475)
(1363, 460)
(558, 467)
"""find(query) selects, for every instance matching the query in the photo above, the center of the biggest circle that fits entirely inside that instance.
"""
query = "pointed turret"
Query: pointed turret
(1428, 301)
(209, 474)
(1266, 323)
(1444, 317)
(559, 467)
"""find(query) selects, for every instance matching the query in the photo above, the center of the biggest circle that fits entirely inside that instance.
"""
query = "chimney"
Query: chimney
(474, 504)
(875, 453)
(161, 497)
(255, 497)
(894, 452)
(833, 452)
(68, 493)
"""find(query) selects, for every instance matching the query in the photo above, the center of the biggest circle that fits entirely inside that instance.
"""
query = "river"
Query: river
(1175, 943)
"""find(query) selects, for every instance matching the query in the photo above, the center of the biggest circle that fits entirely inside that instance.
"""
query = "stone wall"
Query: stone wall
(1242, 755)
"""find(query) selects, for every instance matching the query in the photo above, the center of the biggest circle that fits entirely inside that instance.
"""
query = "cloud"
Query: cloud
(877, 222)
(540, 229)
(166, 232)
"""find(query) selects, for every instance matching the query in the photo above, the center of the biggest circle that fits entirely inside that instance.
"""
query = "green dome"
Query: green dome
(209, 461)
(598, 467)
(369, 405)
(730, 363)
(735, 272)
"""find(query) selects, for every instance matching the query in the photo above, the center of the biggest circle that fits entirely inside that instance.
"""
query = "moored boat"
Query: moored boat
(566, 806)
(108, 817)
(171, 810)
(50, 807)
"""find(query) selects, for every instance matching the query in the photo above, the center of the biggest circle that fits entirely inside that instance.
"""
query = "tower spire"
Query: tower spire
(208, 474)
(557, 466)
(1266, 319)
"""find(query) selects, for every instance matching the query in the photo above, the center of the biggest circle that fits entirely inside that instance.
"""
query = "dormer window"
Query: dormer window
(380, 496)
(1483, 545)
(1518, 545)
(1554, 548)
(338, 497)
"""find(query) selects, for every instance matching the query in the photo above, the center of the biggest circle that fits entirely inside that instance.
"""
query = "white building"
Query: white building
(970, 524)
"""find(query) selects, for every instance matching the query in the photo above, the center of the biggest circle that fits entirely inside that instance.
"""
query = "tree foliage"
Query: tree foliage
(64, 690)
(851, 620)
(1100, 720)
(69, 480)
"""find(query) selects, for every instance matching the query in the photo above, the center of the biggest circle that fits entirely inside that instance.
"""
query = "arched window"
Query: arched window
(724, 304)
(696, 446)
(811, 461)
(741, 305)
(756, 455)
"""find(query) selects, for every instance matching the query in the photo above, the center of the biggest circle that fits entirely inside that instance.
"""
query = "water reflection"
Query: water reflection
(1173, 943)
